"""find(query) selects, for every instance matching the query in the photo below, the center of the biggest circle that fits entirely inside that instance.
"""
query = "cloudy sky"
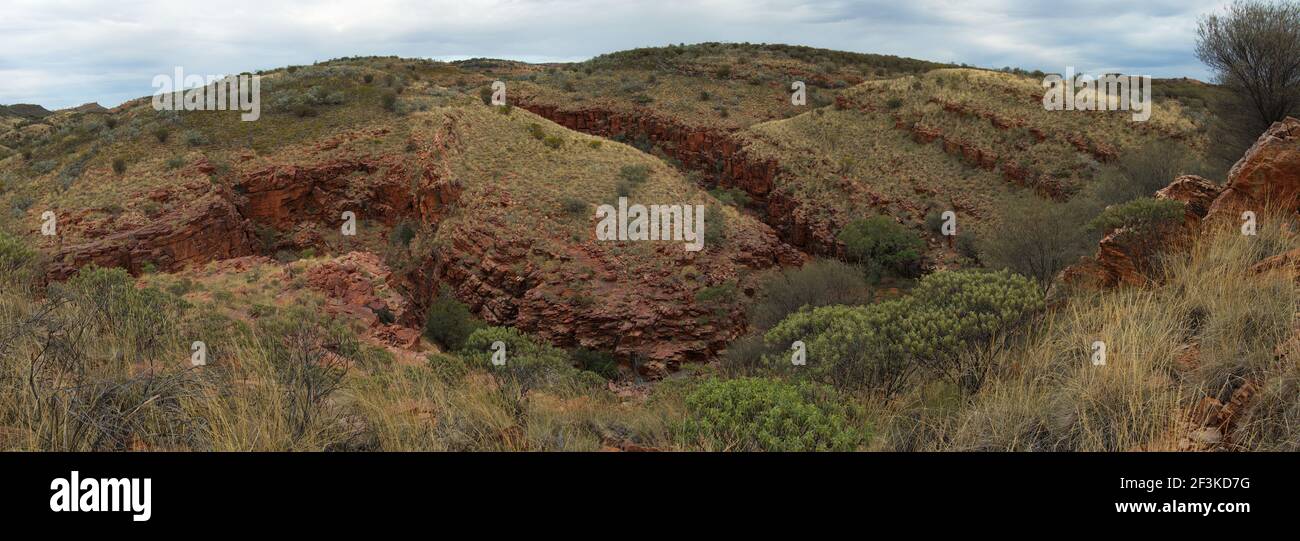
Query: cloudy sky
(65, 53)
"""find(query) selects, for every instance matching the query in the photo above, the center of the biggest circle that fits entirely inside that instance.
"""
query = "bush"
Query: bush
(635, 174)
(878, 346)
(1142, 171)
(449, 322)
(529, 364)
(882, 246)
(819, 283)
(1037, 238)
(194, 138)
(715, 226)
(368, 78)
(758, 414)
(535, 130)
(389, 101)
(599, 362)
(1142, 214)
(735, 197)
(402, 235)
(161, 134)
(553, 141)
(119, 165)
(575, 207)
(16, 261)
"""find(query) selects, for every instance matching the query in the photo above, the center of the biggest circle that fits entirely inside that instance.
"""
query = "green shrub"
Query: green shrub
(389, 101)
(194, 138)
(16, 260)
(449, 322)
(161, 134)
(882, 246)
(599, 362)
(758, 414)
(535, 130)
(735, 197)
(1141, 214)
(715, 226)
(528, 364)
(553, 141)
(878, 346)
(402, 235)
(119, 165)
(175, 162)
(1142, 171)
(635, 174)
(575, 207)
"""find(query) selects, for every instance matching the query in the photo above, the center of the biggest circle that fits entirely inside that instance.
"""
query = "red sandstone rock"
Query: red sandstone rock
(1268, 176)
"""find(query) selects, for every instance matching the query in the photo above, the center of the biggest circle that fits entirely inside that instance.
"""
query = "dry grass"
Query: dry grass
(1047, 394)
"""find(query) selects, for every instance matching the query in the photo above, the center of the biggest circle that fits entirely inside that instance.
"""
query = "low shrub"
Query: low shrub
(1142, 214)
(194, 138)
(759, 414)
(449, 322)
(878, 346)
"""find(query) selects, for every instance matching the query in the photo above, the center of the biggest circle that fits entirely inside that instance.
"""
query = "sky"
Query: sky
(66, 53)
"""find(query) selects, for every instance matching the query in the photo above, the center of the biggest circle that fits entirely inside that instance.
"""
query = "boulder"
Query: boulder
(1268, 176)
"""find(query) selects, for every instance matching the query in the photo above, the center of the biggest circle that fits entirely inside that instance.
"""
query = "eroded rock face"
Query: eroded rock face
(348, 283)
(718, 155)
(1196, 193)
(1268, 176)
(211, 227)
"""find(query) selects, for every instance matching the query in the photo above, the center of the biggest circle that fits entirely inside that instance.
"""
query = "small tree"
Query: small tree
(1254, 48)
(449, 322)
(1037, 238)
(882, 246)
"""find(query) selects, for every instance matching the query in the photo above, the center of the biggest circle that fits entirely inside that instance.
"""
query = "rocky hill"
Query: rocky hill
(495, 204)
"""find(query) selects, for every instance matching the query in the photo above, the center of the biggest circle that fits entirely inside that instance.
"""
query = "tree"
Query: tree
(1254, 48)
(1038, 238)
(882, 246)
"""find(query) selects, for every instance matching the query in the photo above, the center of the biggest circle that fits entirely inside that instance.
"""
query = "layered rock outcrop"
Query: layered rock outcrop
(1267, 177)
(208, 228)
(718, 155)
